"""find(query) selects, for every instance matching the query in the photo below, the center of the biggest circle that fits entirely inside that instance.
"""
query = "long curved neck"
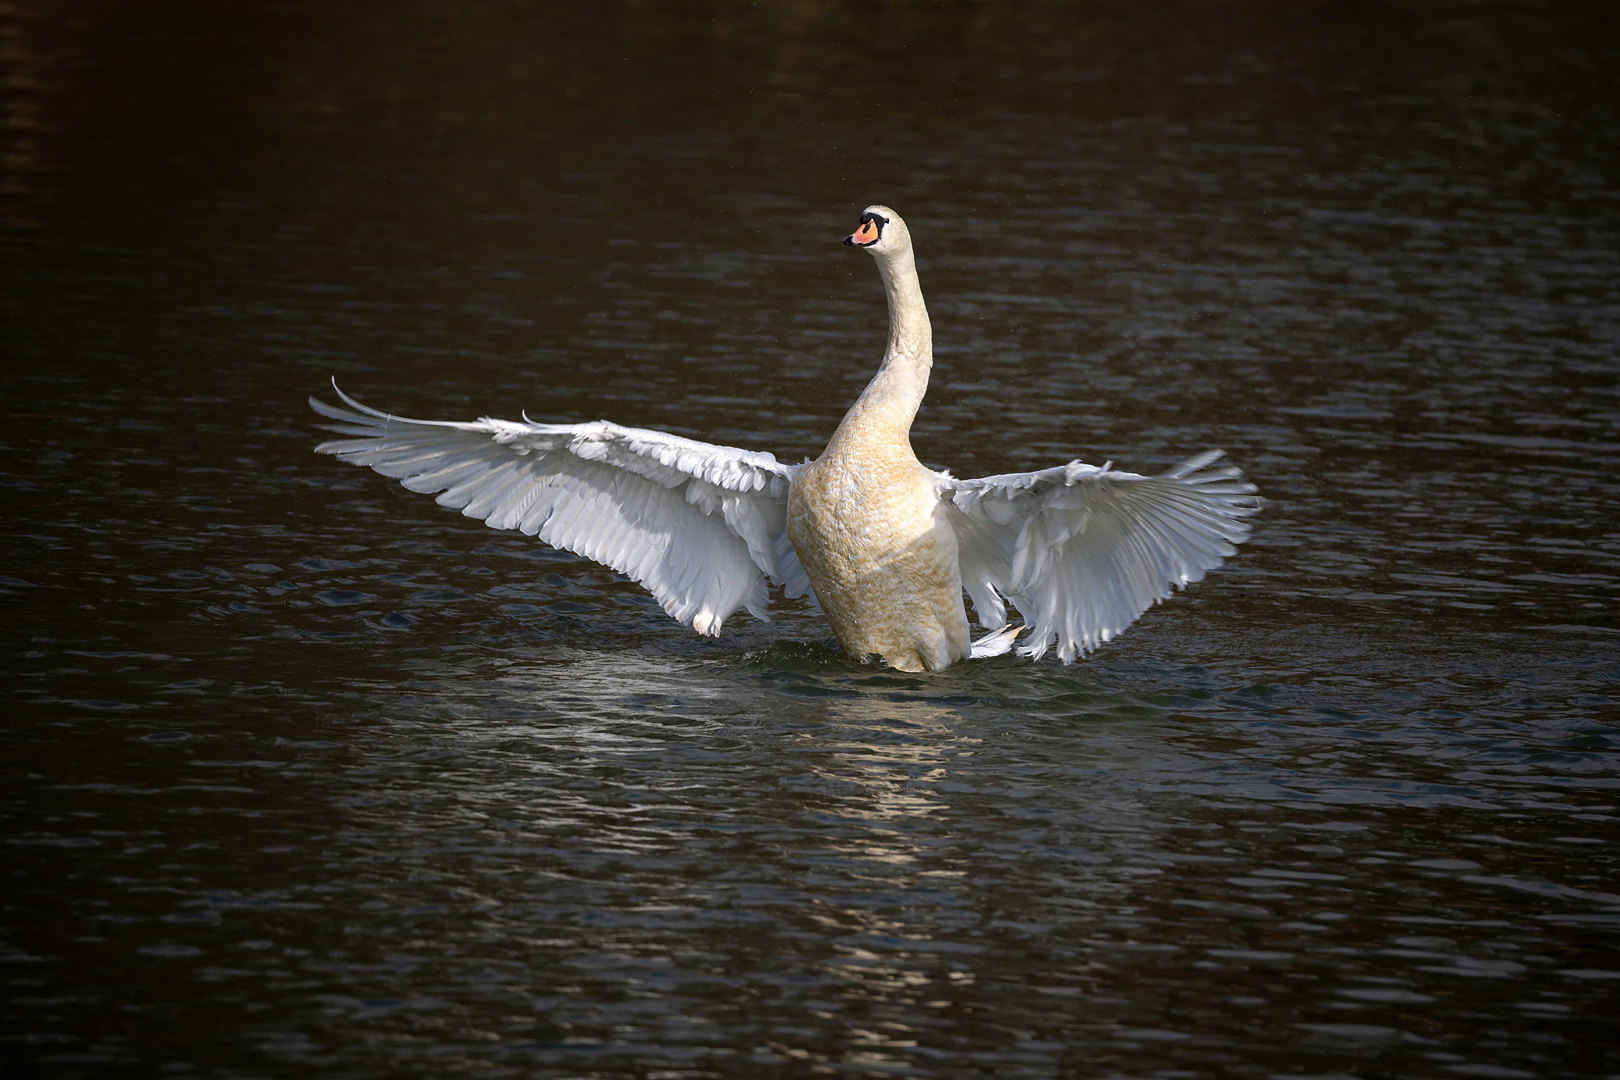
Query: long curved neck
(889, 403)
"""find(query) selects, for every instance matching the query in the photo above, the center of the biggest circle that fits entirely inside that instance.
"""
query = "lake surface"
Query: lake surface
(306, 776)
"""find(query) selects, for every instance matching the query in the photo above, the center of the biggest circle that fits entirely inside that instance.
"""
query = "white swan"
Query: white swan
(886, 545)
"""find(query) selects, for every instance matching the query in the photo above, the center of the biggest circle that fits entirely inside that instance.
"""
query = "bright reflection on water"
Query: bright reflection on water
(304, 776)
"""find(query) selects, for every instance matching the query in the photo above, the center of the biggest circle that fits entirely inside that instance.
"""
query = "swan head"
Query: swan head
(882, 232)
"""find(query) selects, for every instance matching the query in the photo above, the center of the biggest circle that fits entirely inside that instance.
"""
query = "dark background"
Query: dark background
(303, 775)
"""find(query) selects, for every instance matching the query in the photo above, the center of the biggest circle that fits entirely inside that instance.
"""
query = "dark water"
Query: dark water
(304, 776)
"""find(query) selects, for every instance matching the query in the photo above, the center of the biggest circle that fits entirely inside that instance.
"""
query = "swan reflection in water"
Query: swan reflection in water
(884, 545)
(889, 825)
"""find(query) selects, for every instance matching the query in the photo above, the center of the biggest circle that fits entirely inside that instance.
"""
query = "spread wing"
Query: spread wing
(1083, 551)
(702, 527)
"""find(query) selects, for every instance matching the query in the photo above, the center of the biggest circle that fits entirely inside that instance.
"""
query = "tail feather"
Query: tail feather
(994, 644)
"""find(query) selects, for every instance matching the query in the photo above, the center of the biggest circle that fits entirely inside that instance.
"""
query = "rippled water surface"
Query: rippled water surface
(305, 776)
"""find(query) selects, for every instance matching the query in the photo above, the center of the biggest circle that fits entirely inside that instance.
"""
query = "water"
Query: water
(305, 776)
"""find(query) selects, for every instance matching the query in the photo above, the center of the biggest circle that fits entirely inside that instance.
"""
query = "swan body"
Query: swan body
(866, 517)
(885, 546)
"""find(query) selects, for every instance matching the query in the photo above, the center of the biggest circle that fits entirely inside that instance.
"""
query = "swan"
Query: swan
(885, 546)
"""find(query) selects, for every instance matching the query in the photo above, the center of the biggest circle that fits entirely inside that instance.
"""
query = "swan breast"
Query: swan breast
(881, 554)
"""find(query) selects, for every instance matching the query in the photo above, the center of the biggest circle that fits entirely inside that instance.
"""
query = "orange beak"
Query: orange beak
(866, 234)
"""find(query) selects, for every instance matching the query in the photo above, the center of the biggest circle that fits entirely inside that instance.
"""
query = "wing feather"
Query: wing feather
(1082, 551)
(702, 527)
